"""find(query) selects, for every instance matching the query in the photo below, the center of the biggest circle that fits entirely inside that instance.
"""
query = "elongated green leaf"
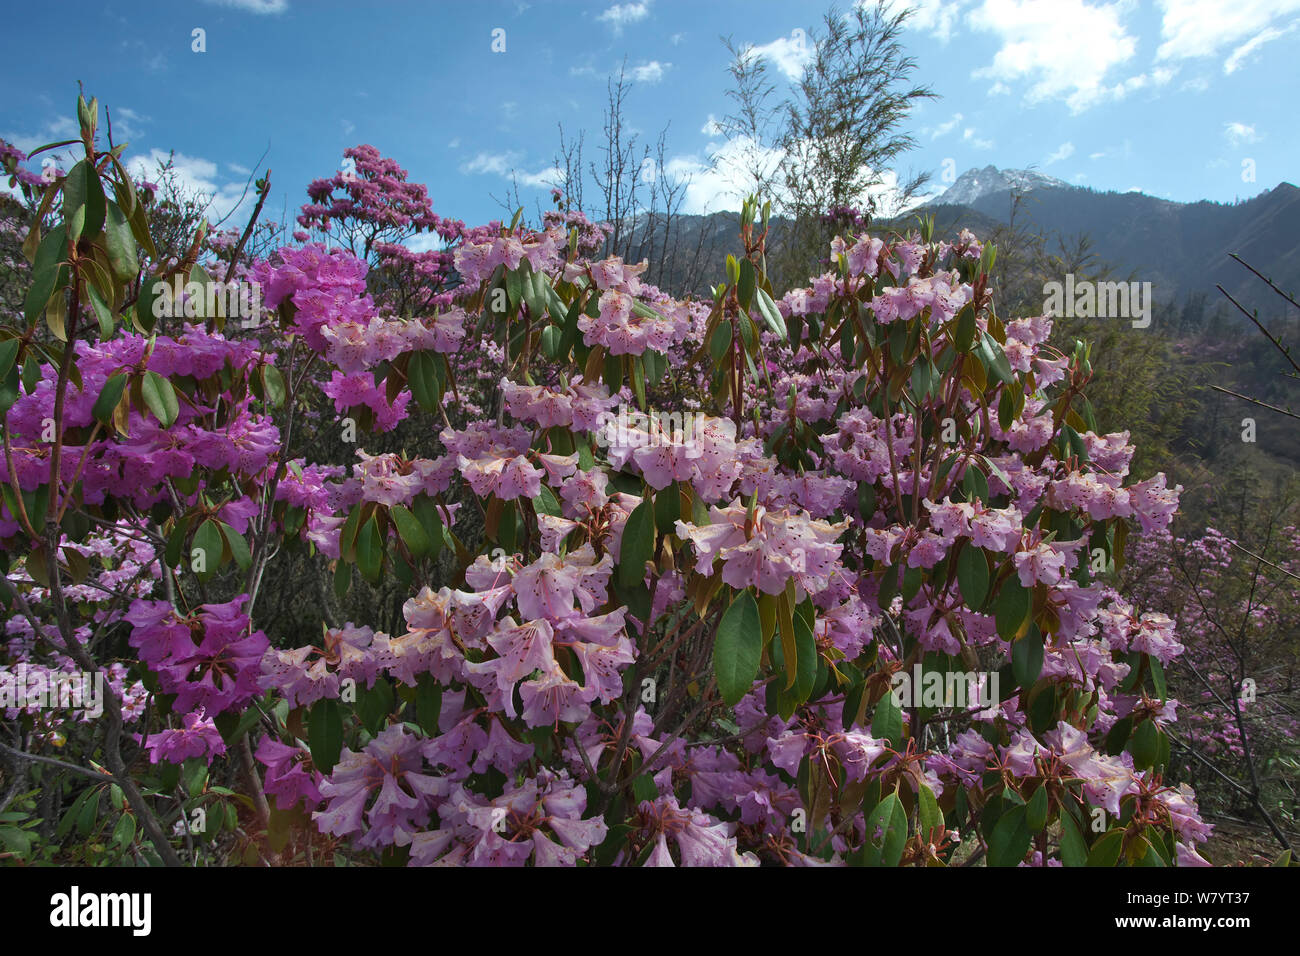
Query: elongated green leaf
(1106, 851)
(886, 833)
(1027, 657)
(46, 271)
(738, 648)
(159, 395)
(771, 314)
(325, 734)
(238, 547)
(887, 721)
(638, 544)
(8, 355)
(745, 284)
(410, 530)
(1074, 852)
(83, 201)
(1010, 839)
(1011, 609)
(103, 314)
(973, 576)
(207, 550)
(370, 550)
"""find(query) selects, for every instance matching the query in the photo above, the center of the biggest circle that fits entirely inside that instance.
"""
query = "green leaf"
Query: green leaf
(807, 660)
(423, 375)
(1036, 811)
(103, 314)
(1011, 609)
(208, 539)
(887, 722)
(375, 704)
(1010, 839)
(995, 360)
(325, 734)
(238, 547)
(1144, 745)
(119, 244)
(370, 550)
(720, 341)
(428, 704)
(973, 576)
(159, 395)
(638, 544)
(1027, 658)
(964, 334)
(745, 283)
(8, 355)
(124, 832)
(9, 390)
(273, 385)
(928, 812)
(1105, 852)
(737, 648)
(771, 314)
(886, 833)
(1074, 852)
(46, 270)
(410, 530)
(83, 201)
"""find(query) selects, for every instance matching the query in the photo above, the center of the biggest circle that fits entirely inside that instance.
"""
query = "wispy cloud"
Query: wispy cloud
(1198, 28)
(194, 175)
(651, 72)
(504, 165)
(621, 14)
(943, 129)
(1239, 133)
(260, 7)
(1063, 152)
(1242, 53)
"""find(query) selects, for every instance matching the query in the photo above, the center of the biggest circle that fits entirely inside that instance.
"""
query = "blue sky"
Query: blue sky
(1183, 99)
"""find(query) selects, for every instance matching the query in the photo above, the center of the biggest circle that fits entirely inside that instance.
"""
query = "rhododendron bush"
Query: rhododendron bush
(681, 575)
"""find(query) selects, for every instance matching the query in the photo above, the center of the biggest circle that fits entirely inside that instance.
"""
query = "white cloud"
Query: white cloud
(651, 72)
(52, 131)
(621, 14)
(1065, 49)
(1196, 28)
(195, 175)
(968, 136)
(722, 184)
(260, 7)
(711, 126)
(943, 129)
(1240, 55)
(1239, 133)
(503, 165)
(787, 54)
(1065, 151)
(935, 17)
